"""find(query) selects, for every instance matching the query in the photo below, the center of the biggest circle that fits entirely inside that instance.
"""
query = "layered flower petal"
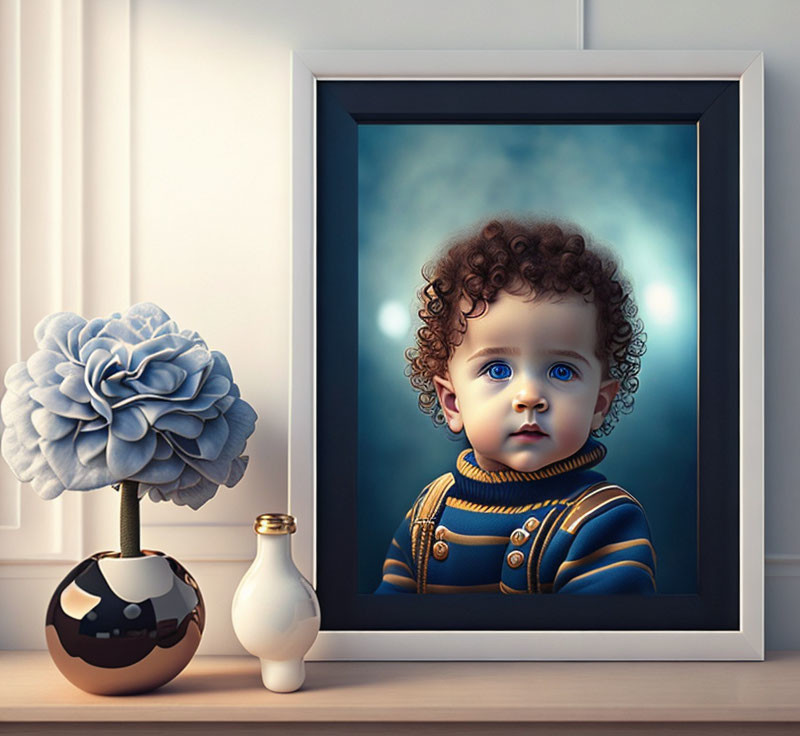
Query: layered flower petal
(238, 466)
(161, 471)
(52, 426)
(16, 412)
(30, 467)
(18, 380)
(163, 449)
(129, 424)
(159, 377)
(53, 331)
(41, 367)
(73, 387)
(128, 397)
(213, 438)
(60, 457)
(89, 445)
(126, 459)
(50, 397)
(190, 489)
(241, 419)
(178, 423)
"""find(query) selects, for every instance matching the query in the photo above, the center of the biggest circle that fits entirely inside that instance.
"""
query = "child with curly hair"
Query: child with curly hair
(530, 345)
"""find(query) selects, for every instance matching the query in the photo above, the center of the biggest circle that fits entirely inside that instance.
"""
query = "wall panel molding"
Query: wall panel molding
(72, 285)
(107, 156)
(202, 542)
(10, 207)
(41, 70)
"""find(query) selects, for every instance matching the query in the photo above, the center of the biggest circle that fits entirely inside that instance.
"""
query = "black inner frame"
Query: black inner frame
(341, 107)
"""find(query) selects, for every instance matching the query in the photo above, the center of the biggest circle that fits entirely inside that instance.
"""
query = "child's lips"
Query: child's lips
(530, 433)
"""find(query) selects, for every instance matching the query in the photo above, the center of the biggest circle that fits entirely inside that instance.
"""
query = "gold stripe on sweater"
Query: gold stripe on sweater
(400, 581)
(400, 564)
(458, 503)
(590, 501)
(469, 539)
(603, 551)
(621, 563)
(508, 590)
(549, 471)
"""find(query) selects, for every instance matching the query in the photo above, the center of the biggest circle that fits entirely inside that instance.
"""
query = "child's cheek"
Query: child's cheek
(483, 426)
(576, 423)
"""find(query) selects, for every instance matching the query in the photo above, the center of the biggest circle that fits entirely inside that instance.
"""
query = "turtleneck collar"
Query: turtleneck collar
(511, 486)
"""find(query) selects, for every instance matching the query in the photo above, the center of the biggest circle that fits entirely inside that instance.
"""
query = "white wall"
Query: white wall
(169, 181)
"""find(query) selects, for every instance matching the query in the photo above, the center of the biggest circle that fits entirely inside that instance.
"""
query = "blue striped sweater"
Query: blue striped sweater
(560, 529)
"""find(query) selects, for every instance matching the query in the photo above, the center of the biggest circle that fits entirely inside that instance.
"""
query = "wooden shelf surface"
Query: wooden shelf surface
(229, 689)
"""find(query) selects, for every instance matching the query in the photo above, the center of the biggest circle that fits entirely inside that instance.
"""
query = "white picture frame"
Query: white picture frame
(746, 67)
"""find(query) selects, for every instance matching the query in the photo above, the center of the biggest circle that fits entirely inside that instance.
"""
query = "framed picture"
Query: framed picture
(498, 259)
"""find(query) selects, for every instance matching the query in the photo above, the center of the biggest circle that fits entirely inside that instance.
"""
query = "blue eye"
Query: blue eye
(498, 371)
(562, 372)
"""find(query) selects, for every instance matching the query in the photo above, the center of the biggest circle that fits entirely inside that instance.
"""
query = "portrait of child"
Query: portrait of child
(530, 345)
(513, 436)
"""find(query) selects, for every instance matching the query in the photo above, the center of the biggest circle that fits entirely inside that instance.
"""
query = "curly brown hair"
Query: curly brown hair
(516, 255)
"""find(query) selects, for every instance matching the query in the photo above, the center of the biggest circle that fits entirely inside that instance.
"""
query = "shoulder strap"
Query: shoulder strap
(584, 506)
(425, 516)
(589, 503)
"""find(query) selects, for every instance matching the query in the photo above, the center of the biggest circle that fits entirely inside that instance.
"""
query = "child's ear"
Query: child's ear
(449, 403)
(608, 390)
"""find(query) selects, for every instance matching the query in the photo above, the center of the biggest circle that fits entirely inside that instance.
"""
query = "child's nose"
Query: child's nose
(528, 399)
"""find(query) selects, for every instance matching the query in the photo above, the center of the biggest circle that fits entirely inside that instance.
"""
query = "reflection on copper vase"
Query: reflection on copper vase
(120, 625)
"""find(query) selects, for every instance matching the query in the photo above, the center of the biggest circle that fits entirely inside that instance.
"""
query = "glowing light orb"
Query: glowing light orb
(393, 320)
(661, 303)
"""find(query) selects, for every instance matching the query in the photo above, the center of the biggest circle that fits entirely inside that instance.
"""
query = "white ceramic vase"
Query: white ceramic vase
(275, 610)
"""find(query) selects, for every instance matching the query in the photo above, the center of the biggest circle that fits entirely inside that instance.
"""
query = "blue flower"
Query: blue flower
(130, 397)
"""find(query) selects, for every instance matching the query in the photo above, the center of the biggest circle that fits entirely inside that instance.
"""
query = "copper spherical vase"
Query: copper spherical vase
(122, 625)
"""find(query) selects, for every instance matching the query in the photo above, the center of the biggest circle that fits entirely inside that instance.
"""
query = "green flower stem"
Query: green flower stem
(129, 519)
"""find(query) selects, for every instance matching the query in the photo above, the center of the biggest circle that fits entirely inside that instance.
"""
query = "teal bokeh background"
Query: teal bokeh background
(632, 188)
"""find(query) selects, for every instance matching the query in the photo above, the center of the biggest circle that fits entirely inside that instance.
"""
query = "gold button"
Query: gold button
(441, 532)
(531, 524)
(515, 558)
(440, 550)
(519, 537)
